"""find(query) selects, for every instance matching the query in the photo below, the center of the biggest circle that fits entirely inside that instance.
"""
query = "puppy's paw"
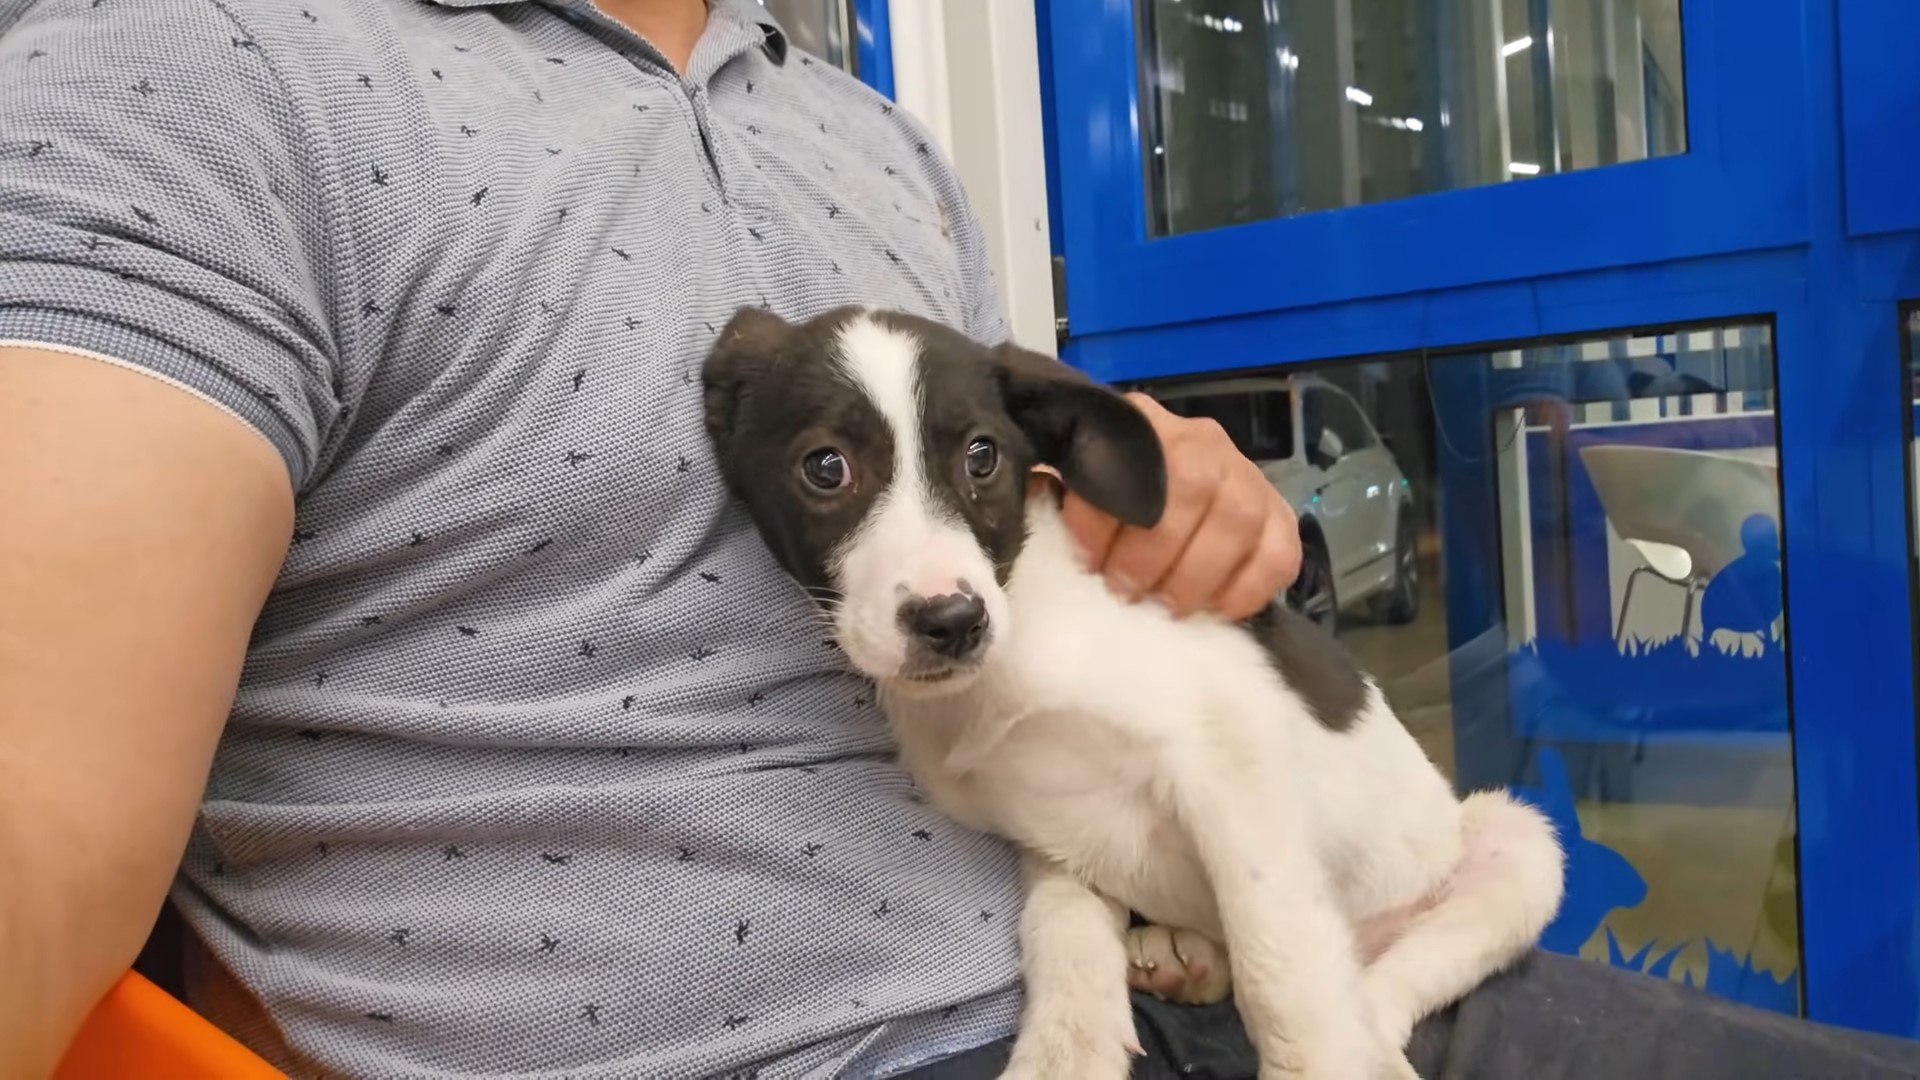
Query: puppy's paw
(1175, 965)
(1095, 1044)
(1331, 1046)
(1387, 1013)
(1393, 1066)
(1389, 1061)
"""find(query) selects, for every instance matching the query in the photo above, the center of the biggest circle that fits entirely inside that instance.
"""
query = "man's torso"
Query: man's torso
(538, 763)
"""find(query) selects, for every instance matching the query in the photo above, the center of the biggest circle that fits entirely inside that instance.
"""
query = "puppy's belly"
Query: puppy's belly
(1386, 822)
(1175, 892)
(1159, 875)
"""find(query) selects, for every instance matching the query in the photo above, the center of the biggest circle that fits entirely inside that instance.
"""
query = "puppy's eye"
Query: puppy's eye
(982, 458)
(826, 469)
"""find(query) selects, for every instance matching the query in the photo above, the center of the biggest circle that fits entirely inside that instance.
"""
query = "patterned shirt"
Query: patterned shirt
(538, 764)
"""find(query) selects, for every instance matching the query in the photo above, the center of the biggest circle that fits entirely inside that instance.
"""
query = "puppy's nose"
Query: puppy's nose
(952, 625)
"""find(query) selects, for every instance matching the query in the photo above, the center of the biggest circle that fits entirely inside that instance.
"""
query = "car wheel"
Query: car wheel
(1401, 602)
(1312, 593)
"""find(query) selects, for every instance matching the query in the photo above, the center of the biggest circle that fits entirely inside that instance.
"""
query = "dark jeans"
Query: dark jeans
(1550, 1018)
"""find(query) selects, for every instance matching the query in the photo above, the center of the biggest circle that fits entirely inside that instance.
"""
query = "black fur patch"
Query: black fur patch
(773, 395)
(1315, 666)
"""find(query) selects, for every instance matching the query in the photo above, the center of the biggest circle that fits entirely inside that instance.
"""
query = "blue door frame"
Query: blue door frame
(873, 44)
(1793, 204)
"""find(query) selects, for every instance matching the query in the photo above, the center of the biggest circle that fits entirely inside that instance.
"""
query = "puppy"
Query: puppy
(1242, 783)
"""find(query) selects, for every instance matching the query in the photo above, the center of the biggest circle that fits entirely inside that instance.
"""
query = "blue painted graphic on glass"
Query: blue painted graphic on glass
(1599, 879)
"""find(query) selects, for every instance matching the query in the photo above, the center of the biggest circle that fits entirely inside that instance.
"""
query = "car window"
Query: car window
(1344, 420)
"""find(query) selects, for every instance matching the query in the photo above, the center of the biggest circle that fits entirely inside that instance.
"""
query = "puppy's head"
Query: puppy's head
(884, 459)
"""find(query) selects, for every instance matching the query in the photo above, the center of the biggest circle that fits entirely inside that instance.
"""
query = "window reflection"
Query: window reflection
(1269, 108)
(1562, 562)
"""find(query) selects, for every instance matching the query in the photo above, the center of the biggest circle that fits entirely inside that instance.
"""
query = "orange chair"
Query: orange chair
(140, 1032)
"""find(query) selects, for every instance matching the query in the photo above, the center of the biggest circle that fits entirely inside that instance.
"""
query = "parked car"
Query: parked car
(1317, 448)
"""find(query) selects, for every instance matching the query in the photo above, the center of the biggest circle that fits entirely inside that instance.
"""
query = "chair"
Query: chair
(141, 1031)
(1682, 510)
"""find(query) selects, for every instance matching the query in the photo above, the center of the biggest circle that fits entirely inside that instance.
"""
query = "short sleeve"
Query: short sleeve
(160, 209)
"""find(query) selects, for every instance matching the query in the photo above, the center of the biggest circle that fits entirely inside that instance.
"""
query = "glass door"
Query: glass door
(1574, 293)
(1562, 560)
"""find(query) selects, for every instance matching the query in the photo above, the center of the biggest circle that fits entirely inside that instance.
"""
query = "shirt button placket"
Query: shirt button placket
(739, 202)
(703, 122)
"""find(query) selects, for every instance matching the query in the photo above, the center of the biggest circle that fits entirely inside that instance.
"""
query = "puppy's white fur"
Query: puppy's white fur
(1165, 766)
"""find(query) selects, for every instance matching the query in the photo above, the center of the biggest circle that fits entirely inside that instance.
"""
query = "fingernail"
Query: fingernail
(1166, 601)
(1123, 585)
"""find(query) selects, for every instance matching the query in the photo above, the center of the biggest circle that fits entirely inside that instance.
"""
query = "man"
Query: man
(362, 545)
(351, 358)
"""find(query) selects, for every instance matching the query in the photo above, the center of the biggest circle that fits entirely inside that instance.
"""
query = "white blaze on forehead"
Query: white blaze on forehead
(911, 544)
(885, 364)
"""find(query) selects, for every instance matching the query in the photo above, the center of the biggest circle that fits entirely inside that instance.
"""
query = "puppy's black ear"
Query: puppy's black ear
(1105, 449)
(748, 346)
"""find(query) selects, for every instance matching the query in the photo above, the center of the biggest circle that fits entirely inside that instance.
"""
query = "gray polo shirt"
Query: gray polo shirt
(538, 764)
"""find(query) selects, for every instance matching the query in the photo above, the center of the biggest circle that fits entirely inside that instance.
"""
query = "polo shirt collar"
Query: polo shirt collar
(750, 12)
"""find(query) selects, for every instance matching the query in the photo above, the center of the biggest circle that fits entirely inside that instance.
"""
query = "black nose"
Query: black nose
(951, 625)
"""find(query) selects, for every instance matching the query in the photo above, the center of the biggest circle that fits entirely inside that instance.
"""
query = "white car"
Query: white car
(1318, 449)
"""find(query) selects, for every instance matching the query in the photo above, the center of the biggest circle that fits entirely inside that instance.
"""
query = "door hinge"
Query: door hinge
(1060, 298)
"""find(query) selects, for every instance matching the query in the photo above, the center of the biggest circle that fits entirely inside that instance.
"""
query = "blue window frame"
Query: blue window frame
(1773, 215)
(1878, 99)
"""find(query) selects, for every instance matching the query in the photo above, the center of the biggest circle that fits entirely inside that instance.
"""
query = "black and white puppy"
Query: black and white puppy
(1242, 782)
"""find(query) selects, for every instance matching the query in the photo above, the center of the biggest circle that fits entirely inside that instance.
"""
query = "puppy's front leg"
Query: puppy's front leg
(1078, 1020)
(1296, 978)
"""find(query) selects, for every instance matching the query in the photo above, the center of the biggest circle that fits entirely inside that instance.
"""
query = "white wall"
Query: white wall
(969, 70)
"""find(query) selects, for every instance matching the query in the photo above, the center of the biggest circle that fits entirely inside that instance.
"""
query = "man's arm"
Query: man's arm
(161, 250)
(140, 529)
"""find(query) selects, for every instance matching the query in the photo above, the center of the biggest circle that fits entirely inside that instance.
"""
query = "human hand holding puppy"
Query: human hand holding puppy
(1228, 542)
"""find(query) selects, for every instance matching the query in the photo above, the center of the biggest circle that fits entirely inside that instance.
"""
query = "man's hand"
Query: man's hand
(1227, 543)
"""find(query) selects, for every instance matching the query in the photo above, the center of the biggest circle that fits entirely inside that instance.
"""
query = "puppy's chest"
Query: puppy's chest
(1058, 781)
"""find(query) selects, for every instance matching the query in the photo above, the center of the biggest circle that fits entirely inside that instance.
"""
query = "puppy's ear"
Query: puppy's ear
(1104, 448)
(748, 346)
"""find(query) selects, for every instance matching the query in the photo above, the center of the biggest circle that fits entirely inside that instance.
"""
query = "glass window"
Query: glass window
(1562, 562)
(816, 26)
(1258, 420)
(1270, 108)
